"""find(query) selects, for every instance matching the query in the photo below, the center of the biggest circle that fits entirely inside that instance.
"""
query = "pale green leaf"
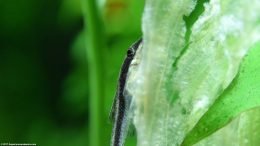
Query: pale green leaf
(180, 76)
(241, 95)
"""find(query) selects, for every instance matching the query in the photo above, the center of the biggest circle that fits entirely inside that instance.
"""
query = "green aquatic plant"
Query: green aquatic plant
(195, 75)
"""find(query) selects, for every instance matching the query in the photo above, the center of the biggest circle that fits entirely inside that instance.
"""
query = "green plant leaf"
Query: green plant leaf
(241, 95)
(180, 76)
(242, 130)
(249, 127)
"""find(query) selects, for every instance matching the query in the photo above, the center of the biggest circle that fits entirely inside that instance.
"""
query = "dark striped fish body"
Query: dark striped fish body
(121, 105)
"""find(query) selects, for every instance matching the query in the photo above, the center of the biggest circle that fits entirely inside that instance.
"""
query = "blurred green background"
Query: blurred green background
(48, 57)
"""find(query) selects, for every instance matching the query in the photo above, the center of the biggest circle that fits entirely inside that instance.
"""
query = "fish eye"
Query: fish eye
(130, 52)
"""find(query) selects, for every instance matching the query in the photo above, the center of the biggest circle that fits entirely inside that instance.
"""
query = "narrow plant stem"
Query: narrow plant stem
(95, 47)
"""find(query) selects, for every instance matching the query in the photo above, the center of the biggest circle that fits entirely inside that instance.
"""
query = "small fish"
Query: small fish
(122, 100)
